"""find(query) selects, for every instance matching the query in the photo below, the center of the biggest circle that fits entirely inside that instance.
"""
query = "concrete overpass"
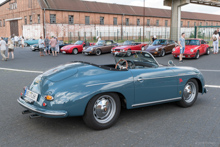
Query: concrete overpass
(176, 13)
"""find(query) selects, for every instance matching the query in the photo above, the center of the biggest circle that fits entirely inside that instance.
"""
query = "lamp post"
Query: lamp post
(143, 20)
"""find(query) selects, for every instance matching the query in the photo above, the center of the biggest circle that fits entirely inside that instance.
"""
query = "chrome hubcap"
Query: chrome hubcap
(98, 52)
(104, 109)
(189, 93)
(129, 53)
(75, 51)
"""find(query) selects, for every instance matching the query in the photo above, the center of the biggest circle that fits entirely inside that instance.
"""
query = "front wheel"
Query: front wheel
(25, 45)
(75, 51)
(102, 111)
(162, 54)
(190, 94)
(197, 55)
(98, 52)
(129, 53)
(208, 51)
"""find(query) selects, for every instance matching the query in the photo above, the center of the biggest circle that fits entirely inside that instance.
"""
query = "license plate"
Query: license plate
(32, 95)
(63, 52)
(183, 56)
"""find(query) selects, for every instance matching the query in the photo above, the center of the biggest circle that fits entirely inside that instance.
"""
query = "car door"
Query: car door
(154, 85)
(108, 46)
(203, 47)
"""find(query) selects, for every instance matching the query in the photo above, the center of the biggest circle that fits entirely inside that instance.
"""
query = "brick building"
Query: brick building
(74, 18)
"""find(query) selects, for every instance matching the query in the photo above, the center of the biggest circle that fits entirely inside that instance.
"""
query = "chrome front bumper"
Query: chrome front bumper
(40, 111)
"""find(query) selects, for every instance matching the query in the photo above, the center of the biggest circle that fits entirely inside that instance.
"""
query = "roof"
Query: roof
(110, 8)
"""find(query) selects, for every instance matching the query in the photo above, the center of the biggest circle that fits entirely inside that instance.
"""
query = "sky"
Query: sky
(159, 4)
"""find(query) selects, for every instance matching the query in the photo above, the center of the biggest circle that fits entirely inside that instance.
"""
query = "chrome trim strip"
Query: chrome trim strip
(148, 103)
(105, 83)
(50, 112)
(170, 76)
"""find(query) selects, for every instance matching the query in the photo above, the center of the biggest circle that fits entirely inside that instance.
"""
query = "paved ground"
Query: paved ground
(161, 125)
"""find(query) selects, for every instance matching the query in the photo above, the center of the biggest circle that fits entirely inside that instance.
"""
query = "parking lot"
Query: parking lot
(161, 125)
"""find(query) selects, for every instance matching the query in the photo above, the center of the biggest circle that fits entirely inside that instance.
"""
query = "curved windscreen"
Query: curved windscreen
(192, 42)
(160, 42)
(78, 43)
(137, 56)
(101, 42)
(128, 42)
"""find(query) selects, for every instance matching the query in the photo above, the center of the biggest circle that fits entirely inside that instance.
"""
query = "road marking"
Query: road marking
(212, 86)
(209, 70)
(19, 70)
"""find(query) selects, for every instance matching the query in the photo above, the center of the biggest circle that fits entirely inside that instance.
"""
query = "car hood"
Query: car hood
(121, 47)
(188, 47)
(71, 46)
(153, 47)
(94, 46)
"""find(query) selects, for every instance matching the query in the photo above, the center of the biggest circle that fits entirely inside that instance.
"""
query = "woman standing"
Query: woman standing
(57, 47)
(10, 48)
(22, 41)
(215, 39)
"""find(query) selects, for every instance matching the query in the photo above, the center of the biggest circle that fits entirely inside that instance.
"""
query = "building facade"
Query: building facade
(74, 19)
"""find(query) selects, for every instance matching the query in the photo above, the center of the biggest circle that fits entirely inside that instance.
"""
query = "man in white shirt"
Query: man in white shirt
(16, 41)
(3, 48)
(41, 46)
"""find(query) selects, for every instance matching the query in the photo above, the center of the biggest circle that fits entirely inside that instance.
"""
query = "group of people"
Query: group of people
(11, 42)
(45, 45)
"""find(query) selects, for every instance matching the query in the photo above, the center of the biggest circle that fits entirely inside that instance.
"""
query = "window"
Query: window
(3, 23)
(115, 21)
(166, 23)
(127, 21)
(25, 20)
(148, 22)
(207, 24)
(157, 23)
(52, 18)
(188, 23)
(194, 23)
(138, 22)
(200, 23)
(29, 3)
(13, 6)
(216, 24)
(181, 23)
(0, 23)
(212, 24)
(101, 20)
(38, 18)
(71, 19)
(30, 18)
(87, 20)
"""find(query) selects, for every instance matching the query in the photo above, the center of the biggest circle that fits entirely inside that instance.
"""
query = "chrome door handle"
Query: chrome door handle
(140, 80)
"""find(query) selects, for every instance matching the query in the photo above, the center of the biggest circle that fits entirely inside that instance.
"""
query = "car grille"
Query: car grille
(118, 50)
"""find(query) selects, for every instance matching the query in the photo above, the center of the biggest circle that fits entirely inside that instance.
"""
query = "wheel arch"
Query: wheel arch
(199, 84)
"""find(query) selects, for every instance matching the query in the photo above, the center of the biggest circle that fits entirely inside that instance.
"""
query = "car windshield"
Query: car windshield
(137, 57)
(101, 42)
(128, 42)
(160, 42)
(192, 42)
(78, 43)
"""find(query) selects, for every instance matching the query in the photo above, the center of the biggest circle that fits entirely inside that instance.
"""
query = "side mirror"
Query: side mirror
(170, 63)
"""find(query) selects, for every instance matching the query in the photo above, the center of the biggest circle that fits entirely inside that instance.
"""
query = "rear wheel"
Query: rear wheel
(75, 51)
(25, 45)
(98, 52)
(102, 111)
(197, 55)
(190, 94)
(208, 51)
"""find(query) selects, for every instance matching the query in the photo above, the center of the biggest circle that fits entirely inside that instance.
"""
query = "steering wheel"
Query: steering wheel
(121, 67)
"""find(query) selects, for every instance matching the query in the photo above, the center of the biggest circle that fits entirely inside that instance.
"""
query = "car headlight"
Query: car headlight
(157, 49)
(112, 50)
(191, 50)
(92, 49)
(174, 49)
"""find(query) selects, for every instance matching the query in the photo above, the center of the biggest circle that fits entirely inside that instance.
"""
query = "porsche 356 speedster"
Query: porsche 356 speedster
(97, 92)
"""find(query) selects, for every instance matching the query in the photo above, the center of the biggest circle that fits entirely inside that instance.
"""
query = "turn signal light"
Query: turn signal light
(49, 98)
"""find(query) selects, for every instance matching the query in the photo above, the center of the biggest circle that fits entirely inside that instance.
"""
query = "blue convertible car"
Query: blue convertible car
(97, 92)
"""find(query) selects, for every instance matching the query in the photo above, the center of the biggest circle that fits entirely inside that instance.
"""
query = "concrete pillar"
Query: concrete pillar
(175, 28)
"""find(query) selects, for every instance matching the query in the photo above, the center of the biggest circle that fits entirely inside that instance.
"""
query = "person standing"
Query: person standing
(182, 47)
(3, 48)
(99, 39)
(16, 41)
(22, 41)
(47, 45)
(57, 47)
(41, 46)
(215, 39)
(53, 44)
(10, 48)
(154, 38)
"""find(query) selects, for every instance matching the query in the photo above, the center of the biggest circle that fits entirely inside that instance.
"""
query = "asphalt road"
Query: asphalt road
(162, 125)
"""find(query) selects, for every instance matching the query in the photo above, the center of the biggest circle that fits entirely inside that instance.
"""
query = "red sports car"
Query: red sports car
(128, 46)
(194, 49)
(75, 48)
